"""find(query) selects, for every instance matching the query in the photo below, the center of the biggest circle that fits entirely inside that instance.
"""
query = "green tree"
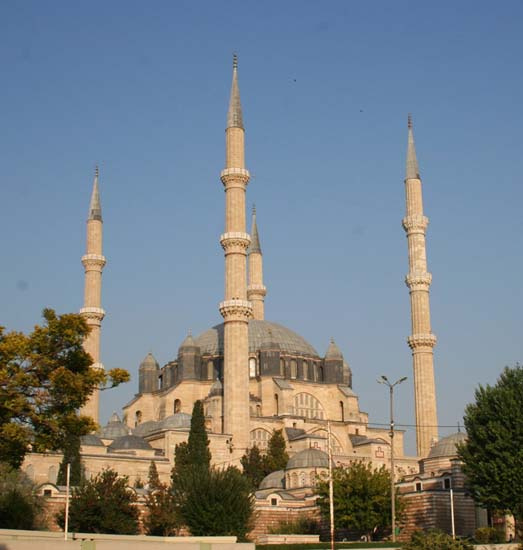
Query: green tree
(215, 502)
(44, 380)
(277, 457)
(153, 479)
(435, 540)
(493, 453)
(254, 466)
(103, 504)
(71, 456)
(20, 507)
(361, 499)
(198, 454)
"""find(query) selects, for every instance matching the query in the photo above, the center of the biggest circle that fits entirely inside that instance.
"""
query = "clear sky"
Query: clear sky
(141, 88)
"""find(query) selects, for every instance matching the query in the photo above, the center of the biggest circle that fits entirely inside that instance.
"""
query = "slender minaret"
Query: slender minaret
(235, 309)
(256, 291)
(92, 311)
(421, 340)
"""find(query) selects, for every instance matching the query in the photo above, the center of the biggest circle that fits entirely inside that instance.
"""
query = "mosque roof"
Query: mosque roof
(114, 428)
(91, 439)
(333, 351)
(447, 445)
(177, 421)
(147, 427)
(129, 442)
(261, 333)
(309, 458)
(273, 481)
(149, 362)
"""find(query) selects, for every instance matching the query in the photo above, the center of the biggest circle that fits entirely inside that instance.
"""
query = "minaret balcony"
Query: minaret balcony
(93, 261)
(415, 224)
(418, 281)
(256, 290)
(417, 341)
(235, 177)
(94, 315)
(236, 310)
(235, 242)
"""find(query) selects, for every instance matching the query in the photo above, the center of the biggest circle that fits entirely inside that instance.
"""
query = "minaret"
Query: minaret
(235, 309)
(421, 340)
(92, 311)
(256, 291)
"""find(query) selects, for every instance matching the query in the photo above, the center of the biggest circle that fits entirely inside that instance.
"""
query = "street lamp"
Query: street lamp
(385, 380)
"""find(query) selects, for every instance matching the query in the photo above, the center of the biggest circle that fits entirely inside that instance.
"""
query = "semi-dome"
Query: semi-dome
(128, 443)
(309, 458)
(92, 440)
(447, 445)
(275, 480)
(261, 334)
(176, 421)
(114, 428)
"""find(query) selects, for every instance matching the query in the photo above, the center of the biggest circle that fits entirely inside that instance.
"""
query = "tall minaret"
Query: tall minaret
(235, 309)
(421, 340)
(92, 311)
(256, 291)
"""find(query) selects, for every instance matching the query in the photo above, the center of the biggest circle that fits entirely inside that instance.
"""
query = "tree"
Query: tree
(361, 499)
(435, 540)
(198, 453)
(254, 466)
(45, 378)
(277, 456)
(103, 504)
(215, 502)
(20, 507)
(162, 518)
(493, 453)
(71, 456)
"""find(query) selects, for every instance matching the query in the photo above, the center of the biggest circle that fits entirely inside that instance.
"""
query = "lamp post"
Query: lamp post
(385, 380)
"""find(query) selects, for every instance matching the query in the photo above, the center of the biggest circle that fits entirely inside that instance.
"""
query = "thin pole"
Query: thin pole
(68, 476)
(331, 485)
(392, 491)
(452, 514)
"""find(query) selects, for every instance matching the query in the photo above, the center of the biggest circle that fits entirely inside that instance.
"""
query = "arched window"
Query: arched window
(308, 406)
(276, 402)
(52, 474)
(342, 411)
(137, 417)
(294, 480)
(252, 367)
(260, 438)
(336, 447)
(282, 367)
(294, 368)
(210, 370)
(258, 410)
(303, 479)
(177, 406)
(313, 479)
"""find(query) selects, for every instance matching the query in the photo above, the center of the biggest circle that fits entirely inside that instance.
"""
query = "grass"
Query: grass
(320, 545)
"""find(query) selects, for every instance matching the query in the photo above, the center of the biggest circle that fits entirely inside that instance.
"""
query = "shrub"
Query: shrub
(486, 535)
(435, 540)
(301, 526)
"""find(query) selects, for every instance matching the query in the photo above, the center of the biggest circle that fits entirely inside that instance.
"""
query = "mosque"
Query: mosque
(255, 376)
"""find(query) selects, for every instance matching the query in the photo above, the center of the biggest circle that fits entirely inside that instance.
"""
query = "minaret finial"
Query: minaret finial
(234, 115)
(234, 61)
(255, 238)
(95, 207)
(253, 209)
(412, 171)
(96, 171)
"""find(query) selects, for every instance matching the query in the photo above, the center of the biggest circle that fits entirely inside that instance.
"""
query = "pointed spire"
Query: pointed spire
(412, 161)
(234, 115)
(255, 239)
(95, 207)
(333, 351)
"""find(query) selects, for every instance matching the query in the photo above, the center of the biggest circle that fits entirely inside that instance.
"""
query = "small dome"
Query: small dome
(333, 351)
(274, 480)
(176, 421)
(92, 440)
(447, 445)
(149, 363)
(189, 342)
(216, 388)
(309, 458)
(114, 428)
(129, 442)
(146, 427)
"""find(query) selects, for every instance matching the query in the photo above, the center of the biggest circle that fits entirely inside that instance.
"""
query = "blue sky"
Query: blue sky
(142, 90)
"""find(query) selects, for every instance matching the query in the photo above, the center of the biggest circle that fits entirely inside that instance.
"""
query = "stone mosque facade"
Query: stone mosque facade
(253, 375)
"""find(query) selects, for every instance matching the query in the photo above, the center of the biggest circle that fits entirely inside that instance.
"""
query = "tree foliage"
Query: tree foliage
(162, 518)
(103, 504)
(215, 502)
(153, 479)
(71, 450)
(493, 453)
(198, 453)
(44, 379)
(277, 456)
(20, 507)
(361, 499)
(435, 540)
(254, 466)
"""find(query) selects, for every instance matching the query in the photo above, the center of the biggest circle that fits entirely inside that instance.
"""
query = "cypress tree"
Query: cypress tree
(198, 453)
(71, 456)
(277, 456)
(153, 478)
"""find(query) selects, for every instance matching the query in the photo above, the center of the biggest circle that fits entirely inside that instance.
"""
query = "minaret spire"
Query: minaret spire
(256, 291)
(235, 309)
(92, 311)
(421, 340)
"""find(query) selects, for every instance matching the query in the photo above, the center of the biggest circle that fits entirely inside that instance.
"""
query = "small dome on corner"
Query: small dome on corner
(149, 363)
(446, 447)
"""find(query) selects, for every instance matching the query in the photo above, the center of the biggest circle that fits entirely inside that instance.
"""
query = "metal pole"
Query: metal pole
(331, 485)
(392, 491)
(452, 514)
(68, 476)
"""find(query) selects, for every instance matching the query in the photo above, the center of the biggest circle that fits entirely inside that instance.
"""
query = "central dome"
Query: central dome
(261, 333)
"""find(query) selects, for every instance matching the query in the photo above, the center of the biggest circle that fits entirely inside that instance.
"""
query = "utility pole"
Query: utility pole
(385, 380)
(331, 485)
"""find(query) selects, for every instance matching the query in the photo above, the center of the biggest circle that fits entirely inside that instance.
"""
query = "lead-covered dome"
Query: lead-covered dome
(447, 446)
(128, 443)
(275, 480)
(309, 458)
(261, 333)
